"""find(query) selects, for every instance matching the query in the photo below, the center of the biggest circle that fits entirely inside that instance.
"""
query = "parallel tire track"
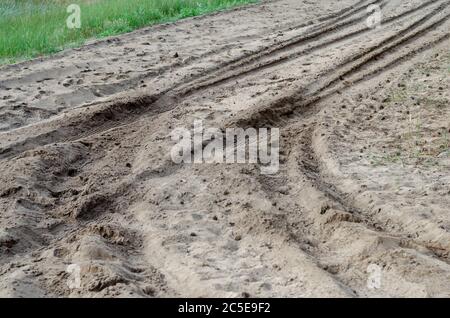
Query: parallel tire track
(125, 112)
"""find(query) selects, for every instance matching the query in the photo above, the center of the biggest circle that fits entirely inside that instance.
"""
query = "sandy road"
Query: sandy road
(87, 177)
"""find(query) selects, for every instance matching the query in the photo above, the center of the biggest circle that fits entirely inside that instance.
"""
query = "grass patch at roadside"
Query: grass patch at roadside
(30, 28)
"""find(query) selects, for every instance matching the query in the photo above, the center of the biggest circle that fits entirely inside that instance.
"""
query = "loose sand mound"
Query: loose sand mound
(88, 183)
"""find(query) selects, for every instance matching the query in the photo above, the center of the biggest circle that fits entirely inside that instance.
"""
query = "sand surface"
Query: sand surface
(87, 179)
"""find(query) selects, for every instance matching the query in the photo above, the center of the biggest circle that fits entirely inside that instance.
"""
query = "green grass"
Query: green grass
(30, 28)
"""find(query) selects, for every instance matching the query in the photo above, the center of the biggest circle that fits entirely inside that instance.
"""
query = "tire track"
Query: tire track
(284, 59)
(388, 49)
(284, 107)
(310, 165)
(124, 112)
(212, 80)
(120, 110)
